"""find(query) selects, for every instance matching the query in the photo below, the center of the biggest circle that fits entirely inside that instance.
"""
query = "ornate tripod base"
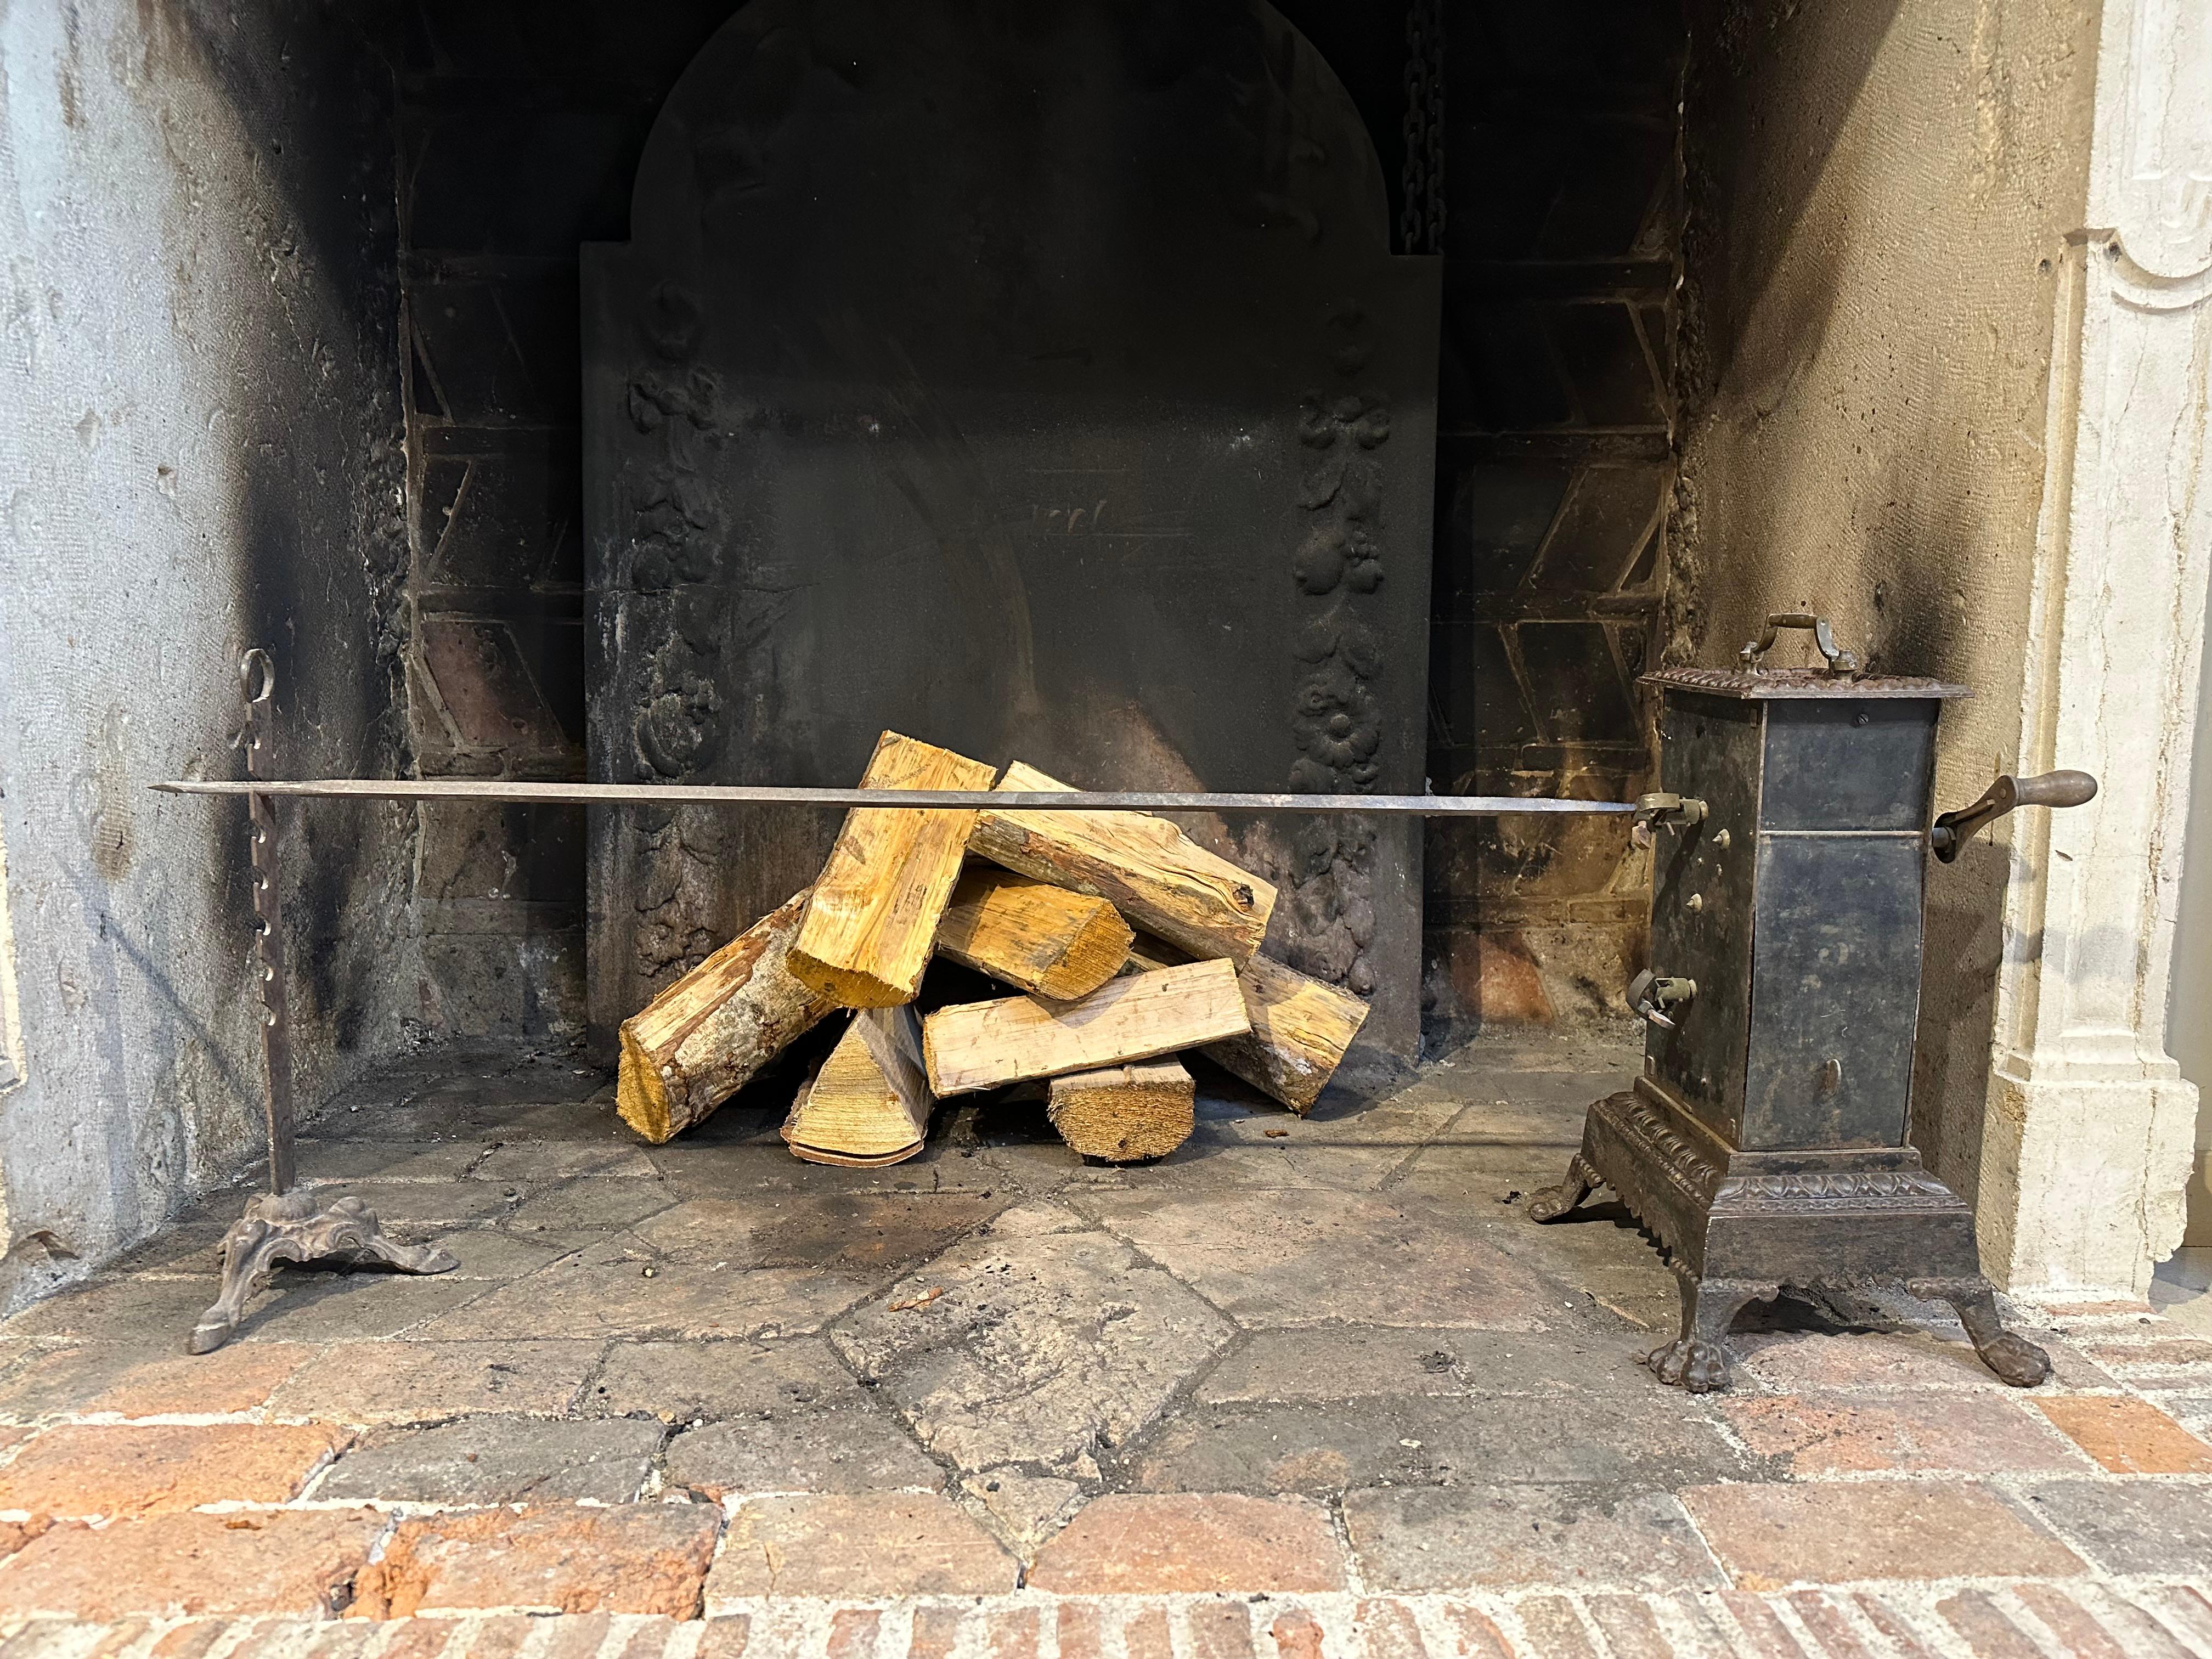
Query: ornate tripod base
(1744, 1226)
(293, 1227)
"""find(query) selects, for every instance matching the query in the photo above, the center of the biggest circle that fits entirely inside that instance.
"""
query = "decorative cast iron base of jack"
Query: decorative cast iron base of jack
(296, 1226)
(1744, 1226)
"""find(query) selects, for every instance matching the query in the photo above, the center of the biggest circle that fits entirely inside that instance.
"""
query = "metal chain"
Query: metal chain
(1421, 217)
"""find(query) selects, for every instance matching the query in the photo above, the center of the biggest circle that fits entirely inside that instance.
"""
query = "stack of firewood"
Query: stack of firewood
(1128, 943)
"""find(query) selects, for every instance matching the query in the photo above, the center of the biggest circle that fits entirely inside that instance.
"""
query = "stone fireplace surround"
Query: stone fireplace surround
(1606, 490)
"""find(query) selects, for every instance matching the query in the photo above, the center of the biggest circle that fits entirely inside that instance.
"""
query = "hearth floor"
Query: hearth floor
(1307, 1387)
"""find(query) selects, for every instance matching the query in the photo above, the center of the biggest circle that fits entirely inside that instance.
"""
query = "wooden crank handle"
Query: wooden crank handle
(1954, 829)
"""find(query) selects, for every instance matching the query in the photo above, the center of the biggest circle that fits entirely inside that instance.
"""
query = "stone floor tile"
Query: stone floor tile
(862, 1231)
(498, 1460)
(845, 1449)
(1316, 1258)
(123, 1310)
(1040, 1350)
(188, 1565)
(1131, 1544)
(312, 1306)
(600, 1295)
(2127, 1436)
(587, 1204)
(2090, 1624)
(690, 1381)
(1028, 1509)
(416, 1204)
(107, 1377)
(415, 1382)
(633, 1557)
(493, 1253)
(1815, 1362)
(1431, 1538)
(1771, 1536)
(2130, 1526)
(1663, 1438)
(1353, 1362)
(114, 1469)
(534, 1164)
(1986, 1628)
(327, 1161)
(1555, 1629)
(1959, 1430)
(906, 1544)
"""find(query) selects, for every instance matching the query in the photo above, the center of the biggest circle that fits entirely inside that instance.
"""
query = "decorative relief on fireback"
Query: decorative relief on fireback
(1336, 722)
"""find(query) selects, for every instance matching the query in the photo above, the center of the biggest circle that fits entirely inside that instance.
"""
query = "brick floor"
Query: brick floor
(1327, 1398)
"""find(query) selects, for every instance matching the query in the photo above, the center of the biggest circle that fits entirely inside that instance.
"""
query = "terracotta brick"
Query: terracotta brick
(1145, 1635)
(853, 1632)
(1768, 1537)
(725, 1638)
(839, 1544)
(100, 1469)
(1132, 1544)
(1968, 1433)
(1830, 1626)
(2118, 1632)
(491, 1639)
(1297, 1634)
(416, 1639)
(936, 1629)
(298, 1561)
(1220, 1630)
(1553, 1626)
(1630, 1629)
(2127, 1436)
(649, 1640)
(1475, 1635)
(1387, 1630)
(14, 1534)
(189, 1641)
(578, 1635)
(1011, 1632)
(1894, 1628)
(2099, 1310)
(1985, 1628)
(2168, 1351)
(1764, 1633)
(642, 1557)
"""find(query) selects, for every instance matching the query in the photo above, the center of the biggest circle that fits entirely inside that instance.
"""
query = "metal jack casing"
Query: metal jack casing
(1764, 1144)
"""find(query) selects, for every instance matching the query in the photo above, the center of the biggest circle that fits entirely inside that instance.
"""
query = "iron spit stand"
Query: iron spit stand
(1764, 1144)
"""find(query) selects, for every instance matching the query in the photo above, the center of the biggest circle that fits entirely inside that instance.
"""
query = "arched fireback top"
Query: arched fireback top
(1029, 376)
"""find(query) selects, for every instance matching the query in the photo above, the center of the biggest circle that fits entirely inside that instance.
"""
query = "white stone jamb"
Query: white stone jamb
(2090, 1128)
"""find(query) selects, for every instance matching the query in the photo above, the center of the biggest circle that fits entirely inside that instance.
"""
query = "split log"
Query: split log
(700, 1039)
(868, 932)
(1301, 1026)
(1033, 935)
(1123, 1113)
(981, 1045)
(870, 1103)
(1156, 876)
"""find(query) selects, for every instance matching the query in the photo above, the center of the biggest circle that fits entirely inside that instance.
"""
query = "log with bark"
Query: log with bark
(981, 1045)
(1034, 936)
(1125, 1113)
(873, 918)
(696, 1044)
(1300, 1026)
(869, 1103)
(1156, 876)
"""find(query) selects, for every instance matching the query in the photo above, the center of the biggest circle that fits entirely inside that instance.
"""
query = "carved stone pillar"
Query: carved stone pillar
(2086, 1146)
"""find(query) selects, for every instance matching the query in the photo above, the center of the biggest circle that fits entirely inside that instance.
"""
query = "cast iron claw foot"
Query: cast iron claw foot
(292, 1227)
(1698, 1359)
(2013, 1358)
(1700, 1367)
(1555, 1201)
